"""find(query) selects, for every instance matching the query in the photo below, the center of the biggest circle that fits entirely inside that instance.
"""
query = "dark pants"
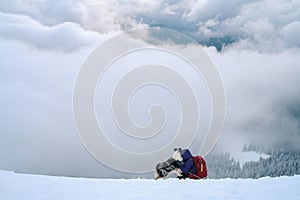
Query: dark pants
(163, 168)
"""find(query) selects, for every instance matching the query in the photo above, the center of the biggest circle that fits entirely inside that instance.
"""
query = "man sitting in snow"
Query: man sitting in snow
(184, 163)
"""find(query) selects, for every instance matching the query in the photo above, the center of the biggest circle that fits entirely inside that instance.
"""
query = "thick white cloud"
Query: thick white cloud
(256, 24)
(204, 10)
(101, 16)
(262, 97)
(290, 34)
(66, 36)
(37, 129)
(47, 12)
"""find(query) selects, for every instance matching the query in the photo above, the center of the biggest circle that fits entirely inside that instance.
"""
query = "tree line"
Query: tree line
(280, 163)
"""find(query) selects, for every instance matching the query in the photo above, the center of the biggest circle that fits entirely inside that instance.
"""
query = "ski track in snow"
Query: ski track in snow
(15, 186)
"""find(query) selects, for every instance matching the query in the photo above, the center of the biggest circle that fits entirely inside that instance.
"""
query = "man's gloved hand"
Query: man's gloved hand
(178, 172)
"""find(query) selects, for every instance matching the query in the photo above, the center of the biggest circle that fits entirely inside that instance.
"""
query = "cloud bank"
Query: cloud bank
(258, 25)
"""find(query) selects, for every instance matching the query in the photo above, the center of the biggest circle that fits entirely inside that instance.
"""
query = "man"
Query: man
(184, 163)
(187, 166)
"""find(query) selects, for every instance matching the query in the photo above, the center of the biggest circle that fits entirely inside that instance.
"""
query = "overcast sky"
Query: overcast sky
(254, 44)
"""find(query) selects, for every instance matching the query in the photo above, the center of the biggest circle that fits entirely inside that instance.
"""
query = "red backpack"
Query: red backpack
(200, 165)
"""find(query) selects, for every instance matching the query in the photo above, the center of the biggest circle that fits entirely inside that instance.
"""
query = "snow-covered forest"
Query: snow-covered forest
(279, 163)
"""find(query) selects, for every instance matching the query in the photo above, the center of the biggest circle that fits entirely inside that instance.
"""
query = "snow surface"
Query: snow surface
(31, 187)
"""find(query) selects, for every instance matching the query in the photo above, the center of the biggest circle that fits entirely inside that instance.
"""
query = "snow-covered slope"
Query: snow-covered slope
(23, 187)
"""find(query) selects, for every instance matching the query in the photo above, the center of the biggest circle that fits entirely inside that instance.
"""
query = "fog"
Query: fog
(43, 43)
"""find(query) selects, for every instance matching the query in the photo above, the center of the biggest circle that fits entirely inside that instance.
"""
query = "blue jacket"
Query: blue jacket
(188, 163)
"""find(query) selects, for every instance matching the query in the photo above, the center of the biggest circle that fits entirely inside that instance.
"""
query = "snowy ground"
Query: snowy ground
(31, 187)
